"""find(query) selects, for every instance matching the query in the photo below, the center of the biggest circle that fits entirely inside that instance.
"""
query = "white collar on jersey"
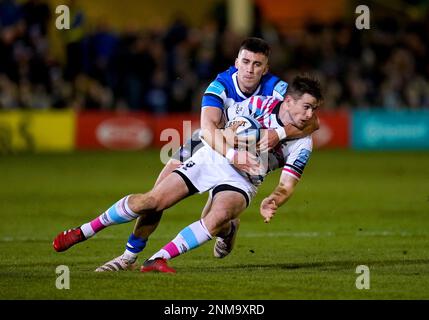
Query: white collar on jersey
(237, 88)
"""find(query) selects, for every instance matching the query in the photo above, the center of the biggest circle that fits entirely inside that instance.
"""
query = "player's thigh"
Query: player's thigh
(226, 205)
(170, 166)
(185, 151)
(169, 191)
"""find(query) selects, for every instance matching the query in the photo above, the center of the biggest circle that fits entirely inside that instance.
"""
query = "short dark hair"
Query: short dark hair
(256, 45)
(305, 83)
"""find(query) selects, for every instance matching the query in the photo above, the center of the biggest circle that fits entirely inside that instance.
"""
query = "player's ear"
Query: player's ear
(267, 68)
(236, 63)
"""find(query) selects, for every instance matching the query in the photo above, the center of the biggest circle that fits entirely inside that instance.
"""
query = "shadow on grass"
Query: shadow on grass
(325, 265)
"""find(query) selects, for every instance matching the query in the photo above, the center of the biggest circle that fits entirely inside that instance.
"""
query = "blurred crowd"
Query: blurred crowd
(167, 69)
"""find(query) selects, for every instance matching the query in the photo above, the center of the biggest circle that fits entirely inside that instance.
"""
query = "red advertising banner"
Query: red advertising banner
(131, 130)
(114, 131)
(137, 130)
(174, 126)
(334, 130)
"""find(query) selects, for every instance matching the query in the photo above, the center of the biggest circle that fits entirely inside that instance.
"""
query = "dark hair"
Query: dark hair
(256, 45)
(305, 84)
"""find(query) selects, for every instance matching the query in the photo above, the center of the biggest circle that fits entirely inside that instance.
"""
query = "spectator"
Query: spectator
(163, 70)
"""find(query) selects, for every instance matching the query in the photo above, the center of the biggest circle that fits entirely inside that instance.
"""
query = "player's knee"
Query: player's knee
(220, 217)
(156, 202)
(134, 202)
(144, 202)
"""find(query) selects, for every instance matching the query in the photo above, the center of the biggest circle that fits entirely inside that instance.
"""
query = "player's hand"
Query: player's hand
(231, 138)
(269, 139)
(245, 142)
(247, 162)
(268, 209)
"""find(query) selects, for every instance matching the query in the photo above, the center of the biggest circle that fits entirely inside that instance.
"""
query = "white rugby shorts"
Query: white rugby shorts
(208, 170)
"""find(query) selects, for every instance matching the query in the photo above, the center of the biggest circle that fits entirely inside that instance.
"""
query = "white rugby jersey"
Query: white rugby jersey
(290, 155)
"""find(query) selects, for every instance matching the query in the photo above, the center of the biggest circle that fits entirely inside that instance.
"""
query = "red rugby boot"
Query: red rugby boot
(68, 238)
(158, 264)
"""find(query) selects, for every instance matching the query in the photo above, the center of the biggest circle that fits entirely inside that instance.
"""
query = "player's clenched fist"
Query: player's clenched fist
(268, 209)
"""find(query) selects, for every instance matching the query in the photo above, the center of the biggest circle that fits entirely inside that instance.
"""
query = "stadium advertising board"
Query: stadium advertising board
(132, 130)
(177, 127)
(333, 131)
(113, 131)
(380, 129)
(37, 131)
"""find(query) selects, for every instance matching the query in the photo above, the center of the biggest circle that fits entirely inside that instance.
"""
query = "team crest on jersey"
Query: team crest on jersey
(302, 159)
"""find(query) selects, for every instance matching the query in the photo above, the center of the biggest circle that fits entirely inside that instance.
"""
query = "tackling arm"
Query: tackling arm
(278, 197)
(215, 137)
(271, 137)
(210, 123)
(293, 132)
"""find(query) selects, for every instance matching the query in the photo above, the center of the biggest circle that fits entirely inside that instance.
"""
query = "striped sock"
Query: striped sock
(116, 214)
(189, 238)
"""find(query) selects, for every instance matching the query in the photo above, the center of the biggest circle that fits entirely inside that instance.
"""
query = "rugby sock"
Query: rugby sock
(134, 246)
(189, 238)
(116, 214)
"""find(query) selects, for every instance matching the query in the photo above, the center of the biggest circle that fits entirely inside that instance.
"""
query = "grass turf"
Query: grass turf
(350, 209)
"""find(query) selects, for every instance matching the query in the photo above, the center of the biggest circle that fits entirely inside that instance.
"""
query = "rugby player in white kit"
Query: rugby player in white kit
(232, 190)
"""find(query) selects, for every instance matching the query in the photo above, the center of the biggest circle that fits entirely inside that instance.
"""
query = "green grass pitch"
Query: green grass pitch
(351, 208)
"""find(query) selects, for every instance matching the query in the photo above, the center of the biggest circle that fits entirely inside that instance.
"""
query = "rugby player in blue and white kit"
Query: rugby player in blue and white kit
(233, 189)
(249, 77)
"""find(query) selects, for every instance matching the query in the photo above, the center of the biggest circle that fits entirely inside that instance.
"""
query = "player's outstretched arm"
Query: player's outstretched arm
(278, 197)
(271, 137)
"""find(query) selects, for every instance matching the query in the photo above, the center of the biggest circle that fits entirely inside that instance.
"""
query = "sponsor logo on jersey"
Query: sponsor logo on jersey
(215, 88)
(302, 159)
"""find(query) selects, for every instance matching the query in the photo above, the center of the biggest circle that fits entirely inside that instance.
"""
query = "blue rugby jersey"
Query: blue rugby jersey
(224, 91)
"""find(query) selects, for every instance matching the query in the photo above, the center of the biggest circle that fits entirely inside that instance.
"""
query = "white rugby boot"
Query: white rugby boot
(117, 264)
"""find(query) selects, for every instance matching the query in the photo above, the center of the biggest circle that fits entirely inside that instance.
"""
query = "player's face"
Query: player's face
(251, 67)
(300, 110)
